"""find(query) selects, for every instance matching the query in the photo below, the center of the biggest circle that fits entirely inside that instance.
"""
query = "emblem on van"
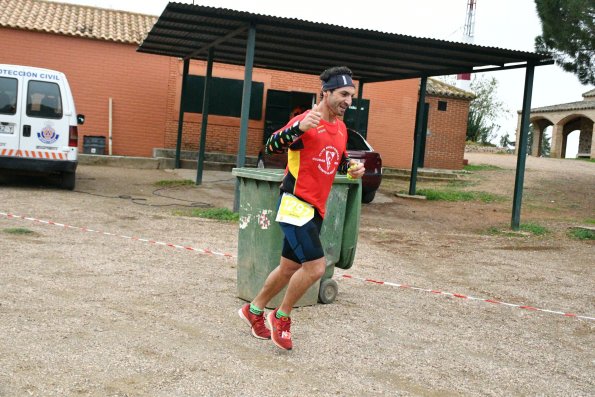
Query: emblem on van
(48, 135)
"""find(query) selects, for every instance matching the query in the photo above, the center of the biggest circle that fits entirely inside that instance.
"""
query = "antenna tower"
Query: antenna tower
(464, 79)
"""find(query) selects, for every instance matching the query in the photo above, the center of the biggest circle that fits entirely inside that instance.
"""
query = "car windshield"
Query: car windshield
(356, 142)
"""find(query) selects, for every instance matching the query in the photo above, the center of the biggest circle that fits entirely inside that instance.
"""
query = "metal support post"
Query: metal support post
(205, 117)
(245, 114)
(181, 114)
(418, 134)
(522, 151)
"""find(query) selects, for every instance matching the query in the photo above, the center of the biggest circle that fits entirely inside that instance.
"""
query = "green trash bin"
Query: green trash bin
(261, 238)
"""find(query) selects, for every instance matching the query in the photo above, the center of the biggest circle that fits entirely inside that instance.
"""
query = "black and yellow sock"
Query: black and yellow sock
(255, 310)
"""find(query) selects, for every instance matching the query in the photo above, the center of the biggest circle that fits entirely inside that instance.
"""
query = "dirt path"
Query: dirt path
(94, 314)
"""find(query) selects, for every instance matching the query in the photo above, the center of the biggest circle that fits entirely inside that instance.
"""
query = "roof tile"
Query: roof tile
(579, 105)
(438, 88)
(75, 20)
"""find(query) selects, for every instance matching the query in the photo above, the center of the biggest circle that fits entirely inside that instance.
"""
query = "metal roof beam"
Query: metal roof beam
(215, 43)
(514, 66)
(392, 43)
(372, 57)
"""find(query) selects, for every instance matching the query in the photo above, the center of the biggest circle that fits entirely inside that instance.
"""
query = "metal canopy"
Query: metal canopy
(293, 45)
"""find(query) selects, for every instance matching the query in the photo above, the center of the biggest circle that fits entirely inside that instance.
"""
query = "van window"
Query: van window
(44, 100)
(8, 95)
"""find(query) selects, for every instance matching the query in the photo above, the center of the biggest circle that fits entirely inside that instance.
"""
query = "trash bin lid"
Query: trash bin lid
(263, 174)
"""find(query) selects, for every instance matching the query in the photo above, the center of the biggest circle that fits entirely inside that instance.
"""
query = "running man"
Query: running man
(316, 144)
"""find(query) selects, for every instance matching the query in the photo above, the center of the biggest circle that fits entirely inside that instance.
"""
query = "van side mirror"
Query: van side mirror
(80, 119)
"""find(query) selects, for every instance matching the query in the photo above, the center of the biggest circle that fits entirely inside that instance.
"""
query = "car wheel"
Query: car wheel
(367, 197)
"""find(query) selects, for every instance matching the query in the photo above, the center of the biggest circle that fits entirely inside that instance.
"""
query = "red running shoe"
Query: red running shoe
(256, 323)
(280, 333)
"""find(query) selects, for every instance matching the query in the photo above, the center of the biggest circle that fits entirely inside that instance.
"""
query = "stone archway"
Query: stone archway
(565, 118)
(539, 125)
(564, 127)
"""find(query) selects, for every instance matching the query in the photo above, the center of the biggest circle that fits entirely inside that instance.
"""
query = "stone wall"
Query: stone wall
(485, 149)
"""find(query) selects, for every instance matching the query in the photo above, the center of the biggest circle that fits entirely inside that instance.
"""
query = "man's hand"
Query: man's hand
(356, 169)
(312, 119)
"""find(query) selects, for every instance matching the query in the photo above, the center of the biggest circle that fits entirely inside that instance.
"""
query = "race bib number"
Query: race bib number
(294, 211)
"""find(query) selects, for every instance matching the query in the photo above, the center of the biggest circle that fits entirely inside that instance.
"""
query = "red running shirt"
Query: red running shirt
(312, 161)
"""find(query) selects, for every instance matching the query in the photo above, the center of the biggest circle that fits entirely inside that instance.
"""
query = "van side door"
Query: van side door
(10, 113)
(44, 131)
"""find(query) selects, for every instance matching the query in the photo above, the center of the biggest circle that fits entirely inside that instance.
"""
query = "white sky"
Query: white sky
(511, 24)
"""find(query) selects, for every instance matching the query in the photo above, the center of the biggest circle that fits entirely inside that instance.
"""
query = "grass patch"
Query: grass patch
(459, 183)
(494, 231)
(457, 195)
(590, 221)
(534, 229)
(19, 231)
(481, 167)
(581, 234)
(174, 182)
(220, 214)
(526, 229)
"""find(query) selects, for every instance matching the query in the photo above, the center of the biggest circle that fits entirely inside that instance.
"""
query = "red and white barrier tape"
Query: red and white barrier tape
(347, 276)
(461, 296)
(144, 240)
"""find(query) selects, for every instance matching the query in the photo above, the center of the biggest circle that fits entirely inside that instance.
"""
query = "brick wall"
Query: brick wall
(97, 70)
(146, 93)
(445, 145)
(391, 120)
(223, 133)
(390, 127)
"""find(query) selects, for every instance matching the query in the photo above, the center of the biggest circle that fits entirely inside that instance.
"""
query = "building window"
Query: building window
(442, 106)
(225, 98)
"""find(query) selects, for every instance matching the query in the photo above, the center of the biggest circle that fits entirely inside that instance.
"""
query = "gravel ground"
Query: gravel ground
(91, 314)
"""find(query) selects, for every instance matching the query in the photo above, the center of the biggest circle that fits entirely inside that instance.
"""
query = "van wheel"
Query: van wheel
(68, 180)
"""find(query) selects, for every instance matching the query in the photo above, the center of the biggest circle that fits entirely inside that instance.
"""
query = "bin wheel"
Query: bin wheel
(328, 291)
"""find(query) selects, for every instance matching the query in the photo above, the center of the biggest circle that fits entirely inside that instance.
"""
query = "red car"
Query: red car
(357, 148)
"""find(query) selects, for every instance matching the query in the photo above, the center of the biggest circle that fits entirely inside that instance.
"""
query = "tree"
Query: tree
(484, 110)
(569, 35)
(546, 146)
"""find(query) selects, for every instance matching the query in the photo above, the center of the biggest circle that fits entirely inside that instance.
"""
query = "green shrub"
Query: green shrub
(581, 234)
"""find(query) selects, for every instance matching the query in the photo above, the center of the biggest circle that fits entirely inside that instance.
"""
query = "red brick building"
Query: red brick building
(96, 49)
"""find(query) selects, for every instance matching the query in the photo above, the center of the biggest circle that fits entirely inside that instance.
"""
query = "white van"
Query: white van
(38, 123)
